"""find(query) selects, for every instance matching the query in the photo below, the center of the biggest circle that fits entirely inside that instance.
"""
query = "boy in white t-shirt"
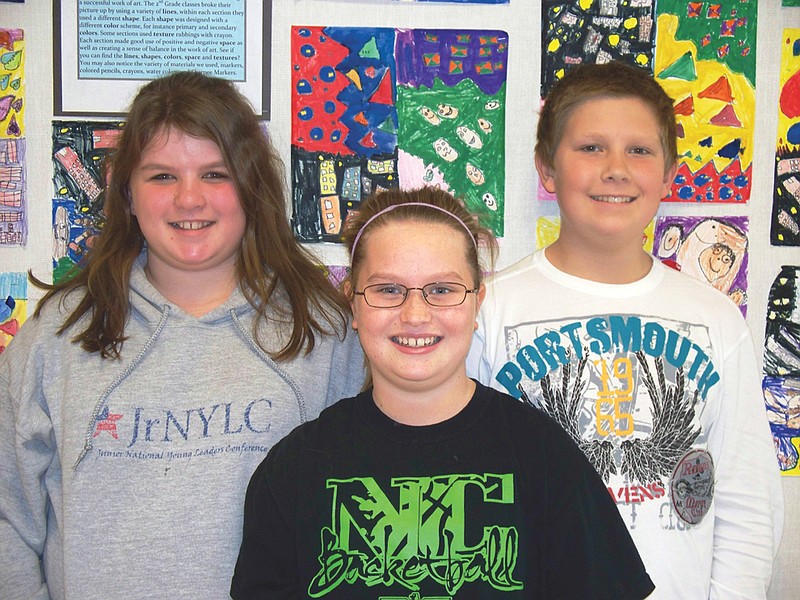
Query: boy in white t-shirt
(651, 372)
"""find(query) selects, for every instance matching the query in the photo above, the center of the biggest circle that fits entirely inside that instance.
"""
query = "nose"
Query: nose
(189, 195)
(415, 309)
(616, 166)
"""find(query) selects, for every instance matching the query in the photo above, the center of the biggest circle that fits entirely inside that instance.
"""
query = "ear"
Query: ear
(347, 290)
(481, 295)
(547, 174)
(669, 177)
(129, 198)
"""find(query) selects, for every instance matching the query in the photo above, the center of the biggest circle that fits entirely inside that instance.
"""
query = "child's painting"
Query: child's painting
(785, 229)
(13, 209)
(78, 151)
(781, 383)
(713, 250)
(13, 192)
(13, 305)
(706, 61)
(576, 32)
(379, 108)
(12, 83)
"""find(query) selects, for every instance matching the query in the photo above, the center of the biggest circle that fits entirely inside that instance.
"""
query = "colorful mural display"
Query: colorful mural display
(711, 249)
(706, 61)
(13, 187)
(78, 151)
(785, 230)
(379, 108)
(781, 383)
(13, 305)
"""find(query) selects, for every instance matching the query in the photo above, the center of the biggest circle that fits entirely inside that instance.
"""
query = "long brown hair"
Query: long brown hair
(273, 270)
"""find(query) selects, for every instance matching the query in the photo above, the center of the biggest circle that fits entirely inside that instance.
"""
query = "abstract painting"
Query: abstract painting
(785, 230)
(577, 32)
(380, 108)
(781, 383)
(78, 151)
(706, 62)
(13, 187)
(13, 305)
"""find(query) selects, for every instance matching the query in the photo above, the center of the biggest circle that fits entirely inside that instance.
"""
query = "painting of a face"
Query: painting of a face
(445, 150)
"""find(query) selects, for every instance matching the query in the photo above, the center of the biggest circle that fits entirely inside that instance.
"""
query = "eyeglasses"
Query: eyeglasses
(391, 295)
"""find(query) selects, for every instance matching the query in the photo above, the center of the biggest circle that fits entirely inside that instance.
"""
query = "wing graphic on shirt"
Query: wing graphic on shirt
(562, 403)
(673, 433)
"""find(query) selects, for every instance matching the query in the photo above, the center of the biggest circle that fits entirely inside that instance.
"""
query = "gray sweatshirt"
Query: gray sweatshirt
(126, 478)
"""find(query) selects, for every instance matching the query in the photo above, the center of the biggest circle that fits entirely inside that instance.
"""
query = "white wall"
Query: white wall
(521, 19)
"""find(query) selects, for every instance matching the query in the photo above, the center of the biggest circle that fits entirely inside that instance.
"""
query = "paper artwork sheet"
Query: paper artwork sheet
(13, 305)
(13, 185)
(785, 229)
(706, 61)
(781, 383)
(714, 250)
(704, 56)
(79, 148)
(380, 108)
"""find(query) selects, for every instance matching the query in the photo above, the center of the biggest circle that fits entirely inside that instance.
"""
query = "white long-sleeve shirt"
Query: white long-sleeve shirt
(657, 382)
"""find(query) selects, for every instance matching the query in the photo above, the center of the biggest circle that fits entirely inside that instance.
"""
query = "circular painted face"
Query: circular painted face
(415, 347)
(716, 261)
(187, 206)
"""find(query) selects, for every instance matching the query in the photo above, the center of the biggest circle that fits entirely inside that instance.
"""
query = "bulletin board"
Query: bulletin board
(28, 156)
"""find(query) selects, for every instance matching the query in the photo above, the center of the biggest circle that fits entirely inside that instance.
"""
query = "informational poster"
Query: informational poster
(465, 1)
(13, 186)
(79, 148)
(379, 108)
(714, 250)
(781, 383)
(105, 49)
(785, 230)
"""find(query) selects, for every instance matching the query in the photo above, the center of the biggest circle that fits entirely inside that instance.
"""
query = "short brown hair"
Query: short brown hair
(610, 80)
(426, 195)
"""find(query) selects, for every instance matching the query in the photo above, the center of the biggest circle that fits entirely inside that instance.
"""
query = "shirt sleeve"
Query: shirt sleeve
(27, 449)
(266, 567)
(748, 497)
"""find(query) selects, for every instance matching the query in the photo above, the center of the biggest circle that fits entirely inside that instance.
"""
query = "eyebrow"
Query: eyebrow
(387, 277)
(155, 166)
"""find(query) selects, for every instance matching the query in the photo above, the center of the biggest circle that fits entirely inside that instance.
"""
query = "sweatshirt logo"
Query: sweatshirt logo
(107, 421)
(144, 426)
(425, 536)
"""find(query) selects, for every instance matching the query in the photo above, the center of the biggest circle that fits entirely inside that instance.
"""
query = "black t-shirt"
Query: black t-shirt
(496, 502)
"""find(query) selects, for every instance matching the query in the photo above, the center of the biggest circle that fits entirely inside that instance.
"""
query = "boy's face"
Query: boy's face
(609, 172)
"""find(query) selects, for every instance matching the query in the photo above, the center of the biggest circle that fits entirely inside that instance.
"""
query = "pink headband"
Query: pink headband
(393, 206)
